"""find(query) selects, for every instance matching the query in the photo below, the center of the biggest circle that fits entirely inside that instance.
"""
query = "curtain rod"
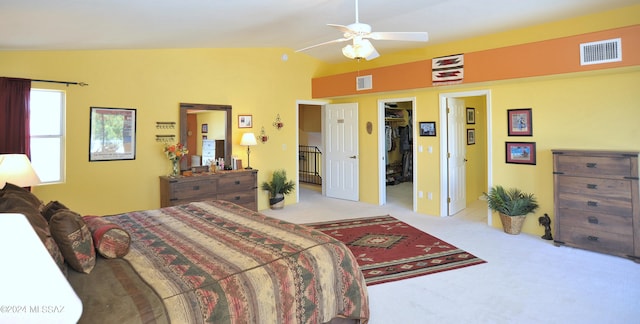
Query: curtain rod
(82, 84)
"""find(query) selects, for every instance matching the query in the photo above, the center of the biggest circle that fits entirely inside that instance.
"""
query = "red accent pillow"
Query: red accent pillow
(111, 240)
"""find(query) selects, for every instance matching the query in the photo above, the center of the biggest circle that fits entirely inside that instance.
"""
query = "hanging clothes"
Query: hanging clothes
(405, 138)
(388, 140)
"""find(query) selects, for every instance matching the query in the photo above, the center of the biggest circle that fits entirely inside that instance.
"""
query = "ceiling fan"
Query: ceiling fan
(360, 33)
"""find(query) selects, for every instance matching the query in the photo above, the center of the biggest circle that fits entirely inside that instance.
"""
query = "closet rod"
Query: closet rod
(82, 84)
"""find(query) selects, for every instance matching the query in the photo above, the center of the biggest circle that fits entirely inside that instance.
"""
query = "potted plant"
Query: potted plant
(513, 205)
(278, 187)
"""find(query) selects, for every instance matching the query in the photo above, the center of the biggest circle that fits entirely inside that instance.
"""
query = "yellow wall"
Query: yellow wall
(253, 81)
(592, 110)
(476, 168)
(595, 110)
(310, 119)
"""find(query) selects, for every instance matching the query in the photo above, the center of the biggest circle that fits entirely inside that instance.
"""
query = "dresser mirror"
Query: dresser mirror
(192, 130)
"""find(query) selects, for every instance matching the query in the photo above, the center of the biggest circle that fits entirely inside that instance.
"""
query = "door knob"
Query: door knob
(352, 157)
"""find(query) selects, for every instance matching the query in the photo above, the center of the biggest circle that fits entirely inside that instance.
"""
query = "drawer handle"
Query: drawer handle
(591, 165)
(592, 186)
(196, 187)
(237, 181)
(592, 220)
(592, 238)
(592, 203)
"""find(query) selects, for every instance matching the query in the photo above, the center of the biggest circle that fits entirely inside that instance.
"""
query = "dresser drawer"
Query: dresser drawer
(609, 188)
(194, 189)
(243, 198)
(595, 240)
(235, 182)
(622, 225)
(596, 204)
(593, 166)
(239, 187)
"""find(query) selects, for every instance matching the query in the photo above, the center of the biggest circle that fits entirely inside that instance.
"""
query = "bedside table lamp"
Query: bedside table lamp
(17, 169)
(24, 297)
(248, 140)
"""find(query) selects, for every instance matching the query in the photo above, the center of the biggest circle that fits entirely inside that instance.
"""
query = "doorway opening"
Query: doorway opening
(466, 172)
(309, 147)
(397, 176)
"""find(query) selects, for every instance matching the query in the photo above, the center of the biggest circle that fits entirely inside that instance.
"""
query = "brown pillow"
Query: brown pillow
(14, 199)
(111, 240)
(74, 239)
(49, 209)
(10, 188)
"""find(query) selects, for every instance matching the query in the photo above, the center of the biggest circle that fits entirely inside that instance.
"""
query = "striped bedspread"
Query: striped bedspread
(216, 262)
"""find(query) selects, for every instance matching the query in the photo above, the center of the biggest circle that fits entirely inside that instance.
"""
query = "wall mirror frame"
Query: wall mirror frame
(187, 108)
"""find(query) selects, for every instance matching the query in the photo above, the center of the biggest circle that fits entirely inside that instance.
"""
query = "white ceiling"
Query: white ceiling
(294, 24)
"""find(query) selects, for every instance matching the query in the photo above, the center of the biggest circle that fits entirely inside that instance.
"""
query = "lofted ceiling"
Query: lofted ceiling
(294, 24)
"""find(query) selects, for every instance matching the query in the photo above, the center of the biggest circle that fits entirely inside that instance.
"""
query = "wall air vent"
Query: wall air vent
(364, 82)
(605, 51)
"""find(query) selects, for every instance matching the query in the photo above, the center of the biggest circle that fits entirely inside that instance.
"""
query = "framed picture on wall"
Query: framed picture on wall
(427, 128)
(520, 152)
(244, 121)
(471, 115)
(471, 136)
(112, 134)
(520, 123)
(205, 128)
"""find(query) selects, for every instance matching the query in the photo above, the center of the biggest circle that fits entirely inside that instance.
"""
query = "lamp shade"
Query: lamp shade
(361, 48)
(248, 139)
(16, 169)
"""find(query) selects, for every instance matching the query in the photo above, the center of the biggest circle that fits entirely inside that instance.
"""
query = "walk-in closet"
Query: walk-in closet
(398, 142)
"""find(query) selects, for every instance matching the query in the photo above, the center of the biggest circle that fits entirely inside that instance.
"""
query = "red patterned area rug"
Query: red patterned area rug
(388, 249)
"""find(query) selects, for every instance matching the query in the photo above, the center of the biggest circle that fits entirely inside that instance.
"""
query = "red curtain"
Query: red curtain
(14, 116)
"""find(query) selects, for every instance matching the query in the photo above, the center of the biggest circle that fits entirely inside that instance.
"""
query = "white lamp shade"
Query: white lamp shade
(361, 48)
(248, 139)
(16, 169)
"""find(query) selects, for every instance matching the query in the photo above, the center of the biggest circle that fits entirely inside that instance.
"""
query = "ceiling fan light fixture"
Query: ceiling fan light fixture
(361, 48)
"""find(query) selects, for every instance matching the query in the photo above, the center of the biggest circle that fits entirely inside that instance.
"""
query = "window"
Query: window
(47, 134)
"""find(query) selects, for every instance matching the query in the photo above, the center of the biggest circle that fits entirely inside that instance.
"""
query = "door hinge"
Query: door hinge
(448, 155)
(448, 199)
(447, 110)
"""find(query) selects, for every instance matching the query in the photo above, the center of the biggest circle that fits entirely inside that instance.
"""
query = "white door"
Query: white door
(456, 145)
(340, 129)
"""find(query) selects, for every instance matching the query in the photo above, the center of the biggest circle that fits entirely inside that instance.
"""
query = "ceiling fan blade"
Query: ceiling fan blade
(339, 40)
(400, 36)
(342, 28)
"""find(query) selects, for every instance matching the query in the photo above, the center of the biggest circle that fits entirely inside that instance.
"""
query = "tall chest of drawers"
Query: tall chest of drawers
(240, 187)
(597, 201)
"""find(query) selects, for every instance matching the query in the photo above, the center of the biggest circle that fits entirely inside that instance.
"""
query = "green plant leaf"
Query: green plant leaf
(511, 202)
(278, 184)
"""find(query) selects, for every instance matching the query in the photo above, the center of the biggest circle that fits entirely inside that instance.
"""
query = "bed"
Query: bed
(211, 262)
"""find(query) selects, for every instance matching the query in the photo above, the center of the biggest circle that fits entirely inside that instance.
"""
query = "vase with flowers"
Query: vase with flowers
(175, 152)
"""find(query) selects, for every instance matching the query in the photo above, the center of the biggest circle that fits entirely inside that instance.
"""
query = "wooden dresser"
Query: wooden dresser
(597, 201)
(240, 187)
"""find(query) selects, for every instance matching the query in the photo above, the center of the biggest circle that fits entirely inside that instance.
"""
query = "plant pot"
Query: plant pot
(512, 224)
(277, 202)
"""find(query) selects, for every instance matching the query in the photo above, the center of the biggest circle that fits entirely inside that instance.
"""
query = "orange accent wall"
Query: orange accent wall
(555, 56)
